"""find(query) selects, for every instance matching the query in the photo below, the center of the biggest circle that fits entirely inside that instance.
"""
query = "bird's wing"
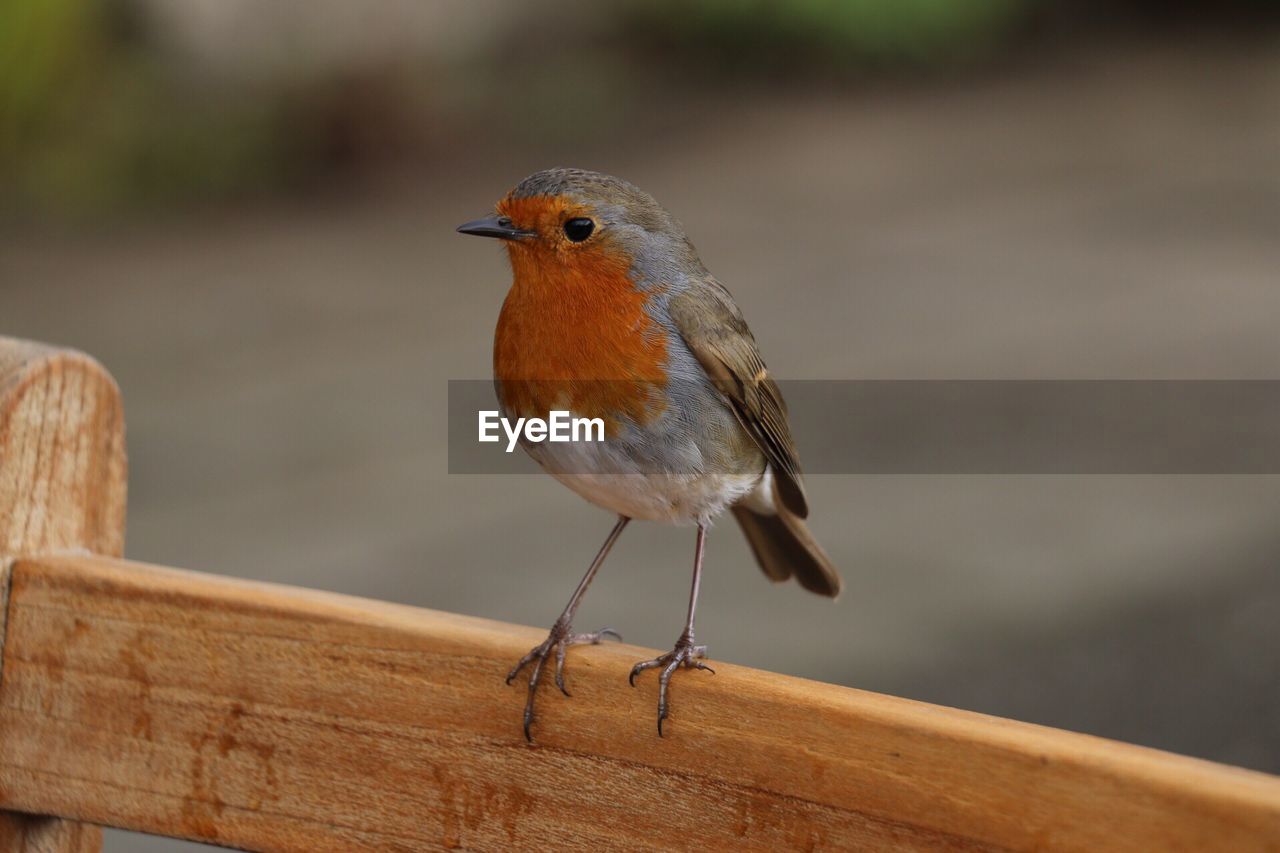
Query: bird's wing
(717, 335)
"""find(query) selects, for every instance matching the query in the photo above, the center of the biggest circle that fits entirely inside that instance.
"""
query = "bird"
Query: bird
(612, 315)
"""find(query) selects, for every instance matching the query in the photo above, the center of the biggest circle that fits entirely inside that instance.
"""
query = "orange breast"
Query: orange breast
(574, 334)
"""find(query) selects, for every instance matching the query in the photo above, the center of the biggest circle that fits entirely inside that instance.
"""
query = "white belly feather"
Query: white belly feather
(691, 490)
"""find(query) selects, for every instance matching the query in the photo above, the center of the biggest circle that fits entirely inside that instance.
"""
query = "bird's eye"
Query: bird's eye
(579, 229)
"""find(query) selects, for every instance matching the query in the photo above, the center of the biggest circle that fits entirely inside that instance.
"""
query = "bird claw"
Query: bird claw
(558, 640)
(686, 655)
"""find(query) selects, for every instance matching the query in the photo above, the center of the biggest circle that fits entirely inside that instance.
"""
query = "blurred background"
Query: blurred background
(246, 211)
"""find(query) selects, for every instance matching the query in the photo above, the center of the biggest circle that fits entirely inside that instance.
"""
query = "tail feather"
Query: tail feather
(784, 547)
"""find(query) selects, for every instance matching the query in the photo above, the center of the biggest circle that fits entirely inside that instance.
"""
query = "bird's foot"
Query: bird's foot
(557, 641)
(685, 654)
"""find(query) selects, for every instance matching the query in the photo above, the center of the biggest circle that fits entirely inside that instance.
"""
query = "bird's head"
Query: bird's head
(575, 222)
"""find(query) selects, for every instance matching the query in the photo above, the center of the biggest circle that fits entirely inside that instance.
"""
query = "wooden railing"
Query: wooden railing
(274, 718)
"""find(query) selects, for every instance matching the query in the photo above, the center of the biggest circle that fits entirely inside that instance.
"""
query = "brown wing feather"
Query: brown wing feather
(717, 335)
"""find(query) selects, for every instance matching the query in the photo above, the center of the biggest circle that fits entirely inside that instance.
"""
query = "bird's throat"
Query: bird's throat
(575, 334)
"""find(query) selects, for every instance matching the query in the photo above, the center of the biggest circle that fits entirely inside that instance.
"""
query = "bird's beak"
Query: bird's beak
(494, 226)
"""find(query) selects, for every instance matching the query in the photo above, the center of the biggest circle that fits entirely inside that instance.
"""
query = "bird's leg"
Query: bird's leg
(685, 653)
(561, 635)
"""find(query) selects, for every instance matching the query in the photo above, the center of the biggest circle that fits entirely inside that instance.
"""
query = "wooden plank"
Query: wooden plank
(62, 487)
(274, 718)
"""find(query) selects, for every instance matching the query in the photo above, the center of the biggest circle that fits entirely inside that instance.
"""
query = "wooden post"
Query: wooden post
(62, 488)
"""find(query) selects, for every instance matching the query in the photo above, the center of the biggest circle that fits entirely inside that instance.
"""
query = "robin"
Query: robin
(611, 315)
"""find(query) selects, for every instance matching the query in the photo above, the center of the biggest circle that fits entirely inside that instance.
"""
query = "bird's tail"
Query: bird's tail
(784, 547)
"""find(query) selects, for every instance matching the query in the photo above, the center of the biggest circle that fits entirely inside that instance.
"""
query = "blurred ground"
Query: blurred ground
(1109, 214)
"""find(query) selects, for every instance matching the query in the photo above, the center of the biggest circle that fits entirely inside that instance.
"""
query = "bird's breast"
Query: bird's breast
(580, 339)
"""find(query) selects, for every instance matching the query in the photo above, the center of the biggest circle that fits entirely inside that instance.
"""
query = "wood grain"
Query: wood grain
(282, 719)
(62, 487)
(62, 459)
